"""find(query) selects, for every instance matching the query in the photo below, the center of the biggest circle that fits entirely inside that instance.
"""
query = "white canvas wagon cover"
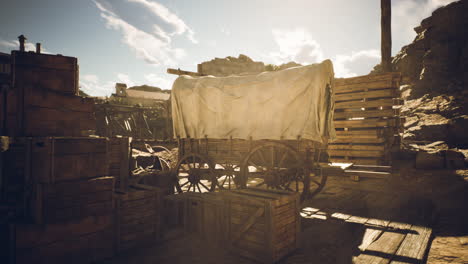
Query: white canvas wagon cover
(277, 105)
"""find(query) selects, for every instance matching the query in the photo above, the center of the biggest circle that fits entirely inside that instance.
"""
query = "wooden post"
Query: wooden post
(386, 35)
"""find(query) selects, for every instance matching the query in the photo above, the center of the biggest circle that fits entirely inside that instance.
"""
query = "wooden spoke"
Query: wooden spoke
(191, 170)
(275, 172)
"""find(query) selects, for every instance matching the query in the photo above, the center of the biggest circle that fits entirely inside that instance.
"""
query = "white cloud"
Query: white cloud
(153, 48)
(297, 45)
(408, 14)
(91, 85)
(124, 78)
(158, 81)
(225, 31)
(166, 15)
(14, 45)
(357, 63)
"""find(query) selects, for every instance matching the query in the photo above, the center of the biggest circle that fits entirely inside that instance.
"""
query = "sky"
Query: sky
(135, 41)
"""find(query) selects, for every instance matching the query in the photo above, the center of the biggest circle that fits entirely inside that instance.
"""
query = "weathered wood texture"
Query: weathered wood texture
(137, 217)
(33, 111)
(119, 151)
(66, 201)
(233, 151)
(43, 100)
(386, 35)
(262, 225)
(81, 240)
(205, 215)
(366, 118)
(56, 159)
(53, 72)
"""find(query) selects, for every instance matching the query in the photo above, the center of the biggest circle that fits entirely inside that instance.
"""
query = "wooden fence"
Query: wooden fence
(367, 119)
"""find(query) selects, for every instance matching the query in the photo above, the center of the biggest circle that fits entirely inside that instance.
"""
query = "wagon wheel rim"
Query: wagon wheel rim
(316, 180)
(273, 166)
(227, 176)
(194, 173)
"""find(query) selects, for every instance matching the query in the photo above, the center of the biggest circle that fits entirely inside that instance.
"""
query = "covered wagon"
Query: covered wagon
(266, 131)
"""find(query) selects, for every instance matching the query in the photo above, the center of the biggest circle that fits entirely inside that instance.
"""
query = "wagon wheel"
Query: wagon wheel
(316, 180)
(227, 176)
(275, 166)
(194, 173)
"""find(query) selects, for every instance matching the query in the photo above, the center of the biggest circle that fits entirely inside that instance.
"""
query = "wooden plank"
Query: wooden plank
(414, 246)
(356, 147)
(356, 161)
(30, 235)
(356, 153)
(391, 93)
(374, 228)
(367, 174)
(366, 104)
(247, 224)
(367, 78)
(347, 88)
(367, 133)
(358, 113)
(366, 123)
(361, 140)
(37, 97)
(383, 249)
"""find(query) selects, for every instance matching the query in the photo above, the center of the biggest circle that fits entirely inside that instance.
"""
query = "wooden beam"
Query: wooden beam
(386, 35)
(181, 72)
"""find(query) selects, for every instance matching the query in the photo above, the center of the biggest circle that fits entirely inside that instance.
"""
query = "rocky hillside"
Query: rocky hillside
(435, 67)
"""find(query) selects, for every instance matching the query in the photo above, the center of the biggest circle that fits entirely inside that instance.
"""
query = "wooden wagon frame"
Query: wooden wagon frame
(207, 164)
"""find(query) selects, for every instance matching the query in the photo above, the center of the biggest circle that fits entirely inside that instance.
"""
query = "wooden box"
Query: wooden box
(173, 214)
(206, 216)
(78, 241)
(263, 225)
(65, 201)
(56, 159)
(32, 111)
(119, 161)
(137, 217)
(46, 71)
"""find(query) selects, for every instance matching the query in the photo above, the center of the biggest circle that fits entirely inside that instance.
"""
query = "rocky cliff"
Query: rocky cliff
(435, 66)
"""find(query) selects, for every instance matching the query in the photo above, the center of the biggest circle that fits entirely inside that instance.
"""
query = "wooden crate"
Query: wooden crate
(173, 214)
(32, 111)
(263, 225)
(65, 201)
(206, 215)
(56, 159)
(85, 248)
(45, 71)
(137, 217)
(119, 161)
(366, 118)
(78, 241)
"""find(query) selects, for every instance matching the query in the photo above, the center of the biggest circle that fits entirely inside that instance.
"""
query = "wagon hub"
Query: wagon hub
(194, 176)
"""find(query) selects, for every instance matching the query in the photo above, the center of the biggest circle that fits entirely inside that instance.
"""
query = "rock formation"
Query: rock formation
(435, 67)
(231, 65)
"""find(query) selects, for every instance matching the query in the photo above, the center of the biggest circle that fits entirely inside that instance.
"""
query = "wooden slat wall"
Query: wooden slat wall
(366, 119)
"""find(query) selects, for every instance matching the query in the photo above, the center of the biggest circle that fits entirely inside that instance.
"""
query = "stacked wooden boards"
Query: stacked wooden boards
(119, 161)
(66, 196)
(44, 98)
(137, 217)
(366, 119)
